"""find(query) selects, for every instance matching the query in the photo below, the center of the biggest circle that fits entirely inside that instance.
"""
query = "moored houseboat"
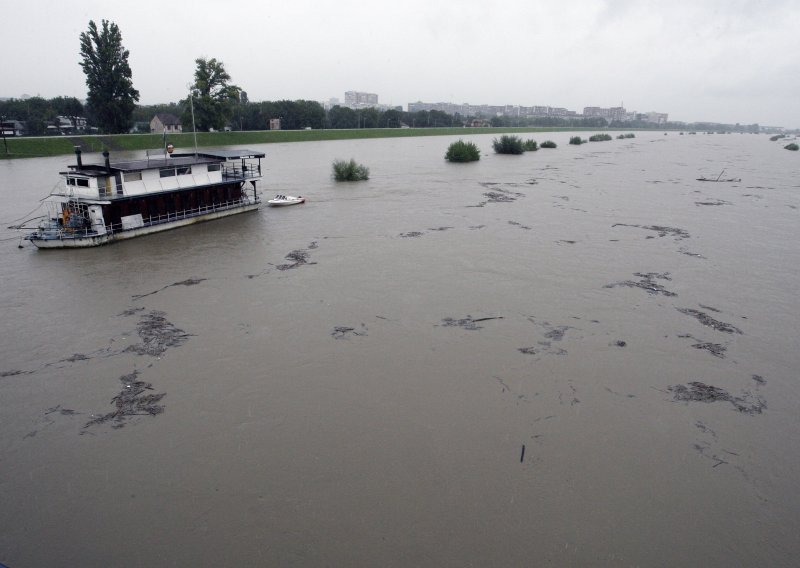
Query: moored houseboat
(101, 203)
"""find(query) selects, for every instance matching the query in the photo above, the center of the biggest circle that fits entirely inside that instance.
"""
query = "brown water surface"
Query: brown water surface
(580, 356)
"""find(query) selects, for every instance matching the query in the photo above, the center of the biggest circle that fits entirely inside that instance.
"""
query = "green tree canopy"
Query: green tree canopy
(111, 98)
(213, 97)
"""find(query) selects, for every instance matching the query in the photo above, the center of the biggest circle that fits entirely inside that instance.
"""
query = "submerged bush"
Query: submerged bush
(508, 145)
(463, 152)
(632, 135)
(599, 137)
(349, 171)
(793, 147)
(777, 137)
(548, 144)
(530, 145)
(576, 140)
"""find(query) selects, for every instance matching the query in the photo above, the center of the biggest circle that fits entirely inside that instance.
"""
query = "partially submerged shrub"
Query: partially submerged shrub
(599, 137)
(777, 137)
(508, 145)
(462, 152)
(576, 140)
(632, 135)
(349, 171)
(530, 145)
(548, 144)
(793, 147)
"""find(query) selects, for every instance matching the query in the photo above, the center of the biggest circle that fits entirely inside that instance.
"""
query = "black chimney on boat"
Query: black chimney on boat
(78, 155)
(108, 162)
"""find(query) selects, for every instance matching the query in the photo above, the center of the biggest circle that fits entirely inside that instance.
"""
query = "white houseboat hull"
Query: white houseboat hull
(64, 240)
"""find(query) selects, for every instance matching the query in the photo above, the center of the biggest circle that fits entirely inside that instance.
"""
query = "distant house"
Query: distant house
(12, 128)
(165, 121)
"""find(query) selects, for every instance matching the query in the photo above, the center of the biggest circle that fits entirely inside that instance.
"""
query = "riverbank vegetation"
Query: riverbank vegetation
(508, 144)
(530, 145)
(349, 171)
(461, 151)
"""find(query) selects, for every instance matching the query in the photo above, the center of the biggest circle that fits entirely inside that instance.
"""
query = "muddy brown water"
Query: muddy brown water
(561, 358)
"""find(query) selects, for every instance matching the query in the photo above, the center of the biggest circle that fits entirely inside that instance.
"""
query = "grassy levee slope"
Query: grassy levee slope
(59, 145)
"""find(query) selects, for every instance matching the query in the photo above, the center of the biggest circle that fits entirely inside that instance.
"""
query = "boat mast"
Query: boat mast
(194, 129)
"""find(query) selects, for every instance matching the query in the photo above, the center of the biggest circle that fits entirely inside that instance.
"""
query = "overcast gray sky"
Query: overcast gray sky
(712, 60)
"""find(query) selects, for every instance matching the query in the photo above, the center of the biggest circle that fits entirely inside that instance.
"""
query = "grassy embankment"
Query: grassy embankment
(59, 145)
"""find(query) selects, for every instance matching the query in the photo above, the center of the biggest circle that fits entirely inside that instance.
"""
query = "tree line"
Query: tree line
(214, 102)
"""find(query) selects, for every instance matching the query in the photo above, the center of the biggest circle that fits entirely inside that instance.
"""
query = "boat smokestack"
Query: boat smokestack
(78, 156)
(108, 161)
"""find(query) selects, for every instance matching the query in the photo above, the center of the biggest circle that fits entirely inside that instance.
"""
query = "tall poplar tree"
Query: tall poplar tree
(111, 98)
(213, 97)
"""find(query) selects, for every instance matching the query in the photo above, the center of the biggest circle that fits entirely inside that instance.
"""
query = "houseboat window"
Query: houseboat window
(82, 182)
(132, 176)
(167, 173)
(184, 171)
(213, 167)
(70, 181)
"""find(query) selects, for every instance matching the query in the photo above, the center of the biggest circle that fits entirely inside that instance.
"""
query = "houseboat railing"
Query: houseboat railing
(153, 220)
(241, 171)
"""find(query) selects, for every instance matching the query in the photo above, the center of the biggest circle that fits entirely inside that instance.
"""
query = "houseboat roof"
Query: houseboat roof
(152, 163)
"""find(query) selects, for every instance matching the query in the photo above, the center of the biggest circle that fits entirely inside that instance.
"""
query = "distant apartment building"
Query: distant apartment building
(358, 99)
(610, 114)
(488, 111)
(655, 117)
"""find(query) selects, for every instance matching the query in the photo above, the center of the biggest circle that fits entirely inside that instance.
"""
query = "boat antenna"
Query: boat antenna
(720, 174)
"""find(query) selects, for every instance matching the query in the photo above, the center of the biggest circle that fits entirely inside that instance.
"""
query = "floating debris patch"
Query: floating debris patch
(468, 322)
(716, 349)
(520, 225)
(187, 282)
(708, 321)
(712, 202)
(343, 332)
(647, 283)
(14, 373)
(662, 231)
(298, 258)
(411, 235)
(133, 400)
(498, 195)
(501, 196)
(75, 358)
(687, 252)
(157, 335)
(131, 312)
(696, 391)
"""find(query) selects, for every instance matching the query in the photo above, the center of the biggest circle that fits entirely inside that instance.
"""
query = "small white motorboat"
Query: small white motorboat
(281, 199)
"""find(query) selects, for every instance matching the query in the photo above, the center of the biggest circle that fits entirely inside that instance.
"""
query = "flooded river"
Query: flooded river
(580, 356)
